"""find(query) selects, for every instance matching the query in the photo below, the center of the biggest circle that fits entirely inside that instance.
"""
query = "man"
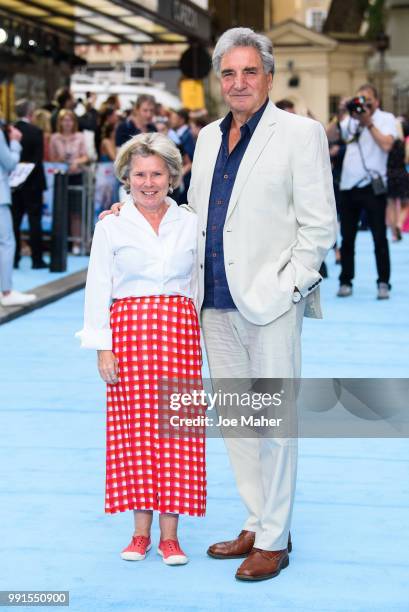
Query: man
(64, 100)
(10, 149)
(140, 120)
(262, 188)
(28, 198)
(286, 105)
(369, 136)
(182, 136)
(89, 120)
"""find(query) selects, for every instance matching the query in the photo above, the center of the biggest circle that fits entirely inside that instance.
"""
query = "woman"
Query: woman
(108, 147)
(145, 260)
(113, 100)
(398, 184)
(108, 120)
(10, 149)
(68, 145)
(42, 119)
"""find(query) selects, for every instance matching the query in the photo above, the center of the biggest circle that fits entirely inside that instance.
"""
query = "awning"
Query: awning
(112, 22)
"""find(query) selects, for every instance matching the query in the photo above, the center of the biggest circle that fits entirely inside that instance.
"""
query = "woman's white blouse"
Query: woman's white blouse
(129, 259)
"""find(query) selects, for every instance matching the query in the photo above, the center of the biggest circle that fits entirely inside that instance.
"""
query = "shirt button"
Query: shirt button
(201, 266)
(219, 202)
(214, 254)
(214, 228)
(226, 176)
(203, 233)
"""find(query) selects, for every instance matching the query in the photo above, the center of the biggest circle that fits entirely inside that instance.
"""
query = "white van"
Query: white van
(104, 84)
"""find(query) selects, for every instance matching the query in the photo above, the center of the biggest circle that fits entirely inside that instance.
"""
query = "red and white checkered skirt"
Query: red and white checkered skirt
(154, 338)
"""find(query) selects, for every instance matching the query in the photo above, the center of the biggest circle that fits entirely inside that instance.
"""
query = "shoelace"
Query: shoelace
(139, 541)
(173, 546)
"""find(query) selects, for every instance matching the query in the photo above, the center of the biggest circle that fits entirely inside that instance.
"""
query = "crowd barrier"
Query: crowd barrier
(99, 189)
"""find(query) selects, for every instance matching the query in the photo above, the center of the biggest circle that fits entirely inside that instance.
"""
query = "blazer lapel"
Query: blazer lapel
(262, 134)
(208, 169)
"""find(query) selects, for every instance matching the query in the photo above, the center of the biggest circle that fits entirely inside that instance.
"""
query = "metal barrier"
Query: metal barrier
(86, 193)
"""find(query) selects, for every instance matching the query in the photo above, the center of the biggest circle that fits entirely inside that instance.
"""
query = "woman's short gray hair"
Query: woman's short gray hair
(244, 37)
(144, 145)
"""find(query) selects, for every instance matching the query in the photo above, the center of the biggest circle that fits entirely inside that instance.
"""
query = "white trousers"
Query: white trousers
(265, 469)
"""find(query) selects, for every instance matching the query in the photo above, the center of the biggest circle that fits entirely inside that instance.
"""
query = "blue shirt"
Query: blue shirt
(217, 293)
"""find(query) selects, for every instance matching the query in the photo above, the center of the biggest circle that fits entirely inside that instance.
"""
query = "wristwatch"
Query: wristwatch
(297, 297)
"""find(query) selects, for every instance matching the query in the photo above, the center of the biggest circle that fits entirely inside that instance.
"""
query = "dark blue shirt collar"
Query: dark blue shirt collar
(250, 123)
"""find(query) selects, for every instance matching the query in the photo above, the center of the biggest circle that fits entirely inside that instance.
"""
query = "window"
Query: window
(333, 105)
(315, 19)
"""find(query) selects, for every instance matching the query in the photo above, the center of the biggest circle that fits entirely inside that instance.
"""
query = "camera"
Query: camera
(357, 105)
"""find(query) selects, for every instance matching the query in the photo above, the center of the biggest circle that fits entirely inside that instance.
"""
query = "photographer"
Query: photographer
(9, 158)
(368, 134)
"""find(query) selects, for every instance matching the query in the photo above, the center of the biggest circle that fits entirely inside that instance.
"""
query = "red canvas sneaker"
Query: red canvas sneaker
(171, 553)
(137, 549)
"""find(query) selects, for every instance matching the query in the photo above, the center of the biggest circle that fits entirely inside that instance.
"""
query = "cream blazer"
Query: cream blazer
(281, 218)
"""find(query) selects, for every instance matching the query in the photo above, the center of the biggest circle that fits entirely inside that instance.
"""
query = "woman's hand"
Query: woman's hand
(108, 367)
(114, 210)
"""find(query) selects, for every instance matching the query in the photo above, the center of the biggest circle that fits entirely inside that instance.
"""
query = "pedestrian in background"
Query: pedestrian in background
(10, 149)
(182, 136)
(68, 146)
(286, 105)
(196, 124)
(337, 148)
(108, 147)
(369, 134)
(139, 121)
(28, 197)
(106, 134)
(398, 184)
(112, 100)
(64, 100)
(107, 116)
(42, 119)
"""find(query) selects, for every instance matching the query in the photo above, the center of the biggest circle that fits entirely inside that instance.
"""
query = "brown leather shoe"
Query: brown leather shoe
(233, 549)
(263, 564)
(238, 548)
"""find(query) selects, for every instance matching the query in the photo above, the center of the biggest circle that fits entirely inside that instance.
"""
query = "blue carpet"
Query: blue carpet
(350, 526)
(25, 278)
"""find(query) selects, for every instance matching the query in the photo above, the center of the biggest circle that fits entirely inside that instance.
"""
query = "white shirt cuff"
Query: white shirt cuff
(98, 339)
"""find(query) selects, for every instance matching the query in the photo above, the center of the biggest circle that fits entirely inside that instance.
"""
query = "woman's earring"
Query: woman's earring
(170, 189)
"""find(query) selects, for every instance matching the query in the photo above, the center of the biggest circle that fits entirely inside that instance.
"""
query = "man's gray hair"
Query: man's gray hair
(24, 107)
(244, 37)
